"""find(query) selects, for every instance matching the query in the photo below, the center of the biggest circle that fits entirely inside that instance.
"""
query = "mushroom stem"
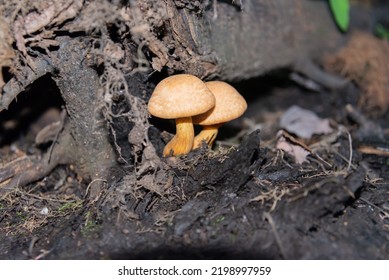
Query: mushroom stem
(182, 142)
(208, 134)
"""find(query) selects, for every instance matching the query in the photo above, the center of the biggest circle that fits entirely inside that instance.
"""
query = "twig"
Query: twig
(269, 218)
(90, 184)
(214, 6)
(43, 254)
(47, 198)
(349, 164)
(375, 206)
(15, 86)
(62, 125)
(31, 246)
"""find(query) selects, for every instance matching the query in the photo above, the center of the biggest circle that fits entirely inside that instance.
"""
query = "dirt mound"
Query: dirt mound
(365, 61)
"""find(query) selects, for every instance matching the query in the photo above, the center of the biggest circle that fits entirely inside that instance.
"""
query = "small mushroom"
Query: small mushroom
(180, 97)
(229, 105)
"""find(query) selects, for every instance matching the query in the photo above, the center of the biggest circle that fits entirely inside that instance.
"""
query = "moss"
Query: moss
(218, 220)
(69, 206)
(90, 226)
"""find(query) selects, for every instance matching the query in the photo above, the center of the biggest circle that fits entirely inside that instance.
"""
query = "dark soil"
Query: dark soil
(244, 200)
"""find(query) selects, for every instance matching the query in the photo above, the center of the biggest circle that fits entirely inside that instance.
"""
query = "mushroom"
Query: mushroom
(180, 97)
(229, 105)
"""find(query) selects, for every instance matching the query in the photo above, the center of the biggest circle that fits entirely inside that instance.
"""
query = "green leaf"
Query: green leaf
(341, 12)
(382, 32)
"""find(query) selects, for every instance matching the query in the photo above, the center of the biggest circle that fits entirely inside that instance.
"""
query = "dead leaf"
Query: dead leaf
(296, 151)
(304, 123)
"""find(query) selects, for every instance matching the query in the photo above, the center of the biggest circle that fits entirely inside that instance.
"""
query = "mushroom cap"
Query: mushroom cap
(180, 96)
(229, 105)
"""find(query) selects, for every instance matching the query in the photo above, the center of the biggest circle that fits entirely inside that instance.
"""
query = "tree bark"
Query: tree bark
(79, 86)
(263, 36)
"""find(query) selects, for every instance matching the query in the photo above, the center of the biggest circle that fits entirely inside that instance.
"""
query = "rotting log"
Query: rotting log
(94, 50)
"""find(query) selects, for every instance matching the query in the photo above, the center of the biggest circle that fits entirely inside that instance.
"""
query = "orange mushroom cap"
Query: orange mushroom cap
(179, 96)
(229, 105)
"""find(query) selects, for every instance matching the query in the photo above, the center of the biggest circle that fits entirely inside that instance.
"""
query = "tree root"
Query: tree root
(28, 169)
(22, 171)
